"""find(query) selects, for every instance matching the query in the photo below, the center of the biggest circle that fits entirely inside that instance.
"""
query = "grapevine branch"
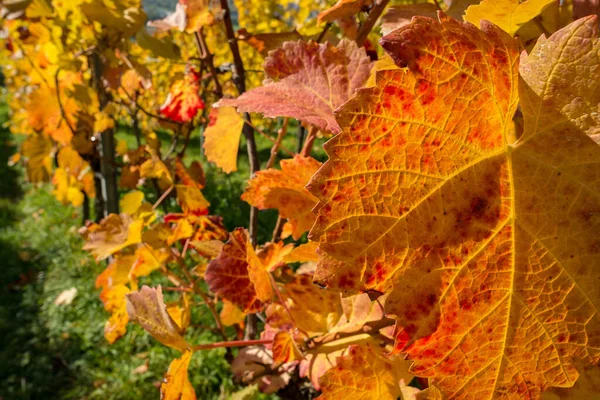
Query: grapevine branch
(240, 82)
(368, 25)
(206, 56)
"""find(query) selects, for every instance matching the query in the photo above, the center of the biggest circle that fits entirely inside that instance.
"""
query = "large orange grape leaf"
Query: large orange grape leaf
(509, 15)
(307, 81)
(285, 190)
(176, 384)
(486, 244)
(363, 373)
(222, 138)
(147, 307)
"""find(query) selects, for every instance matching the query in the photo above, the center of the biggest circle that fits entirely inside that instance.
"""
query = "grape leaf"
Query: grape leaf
(183, 102)
(222, 138)
(176, 384)
(303, 253)
(228, 276)
(192, 176)
(343, 9)
(265, 42)
(307, 81)
(37, 149)
(148, 308)
(231, 315)
(285, 348)
(112, 234)
(191, 200)
(509, 15)
(363, 373)
(240, 274)
(485, 242)
(285, 190)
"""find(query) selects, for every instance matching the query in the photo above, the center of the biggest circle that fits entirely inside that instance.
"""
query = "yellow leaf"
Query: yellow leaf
(148, 308)
(114, 233)
(363, 373)
(231, 314)
(303, 253)
(191, 200)
(131, 202)
(176, 385)
(38, 9)
(37, 149)
(509, 15)
(222, 138)
(147, 260)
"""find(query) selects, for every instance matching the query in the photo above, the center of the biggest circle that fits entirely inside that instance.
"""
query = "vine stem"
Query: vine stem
(240, 82)
(61, 107)
(308, 144)
(164, 196)
(233, 343)
(269, 138)
(197, 290)
(368, 25)
(280, 134)
(207, 57)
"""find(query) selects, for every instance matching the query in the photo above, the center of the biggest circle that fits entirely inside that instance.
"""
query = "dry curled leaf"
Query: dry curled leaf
(148, 308)
(112, 234)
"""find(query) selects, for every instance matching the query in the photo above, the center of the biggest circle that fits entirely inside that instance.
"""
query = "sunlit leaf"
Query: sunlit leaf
(485, 242)
(222, 138)
(148, 308)
(285, 190)
(307, 81)
(176, 384)
(509, 15)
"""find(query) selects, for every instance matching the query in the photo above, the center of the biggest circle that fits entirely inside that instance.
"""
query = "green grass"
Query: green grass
(58, 351)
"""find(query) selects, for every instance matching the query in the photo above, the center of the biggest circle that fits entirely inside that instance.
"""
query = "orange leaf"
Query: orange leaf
(343, 9)
(191, 200)
(363, 373)
(147, 308)
(231, 314)
(228, 276)
(285, 190)
(307, 82)
(222, 138)
(266, 42)
(176, 384)
(484, 242)
(285, 348)
(303, 253)
(192, 177)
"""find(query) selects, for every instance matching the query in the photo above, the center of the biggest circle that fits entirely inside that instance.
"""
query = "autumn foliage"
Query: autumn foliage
(447, 247)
